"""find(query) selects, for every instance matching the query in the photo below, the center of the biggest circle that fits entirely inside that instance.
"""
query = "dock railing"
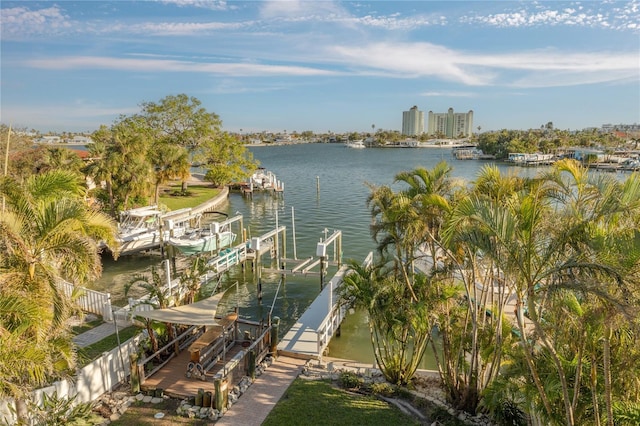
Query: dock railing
(337, 309)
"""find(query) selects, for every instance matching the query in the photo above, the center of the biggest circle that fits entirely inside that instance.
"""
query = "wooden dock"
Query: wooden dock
(172, 378)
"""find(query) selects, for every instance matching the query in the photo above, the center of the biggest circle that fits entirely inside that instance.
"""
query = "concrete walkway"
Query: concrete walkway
(256, 403)
(96, 334)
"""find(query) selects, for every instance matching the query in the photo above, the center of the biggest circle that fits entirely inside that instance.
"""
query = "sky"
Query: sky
(324, 66)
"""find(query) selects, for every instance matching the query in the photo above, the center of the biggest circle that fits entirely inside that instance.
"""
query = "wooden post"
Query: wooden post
(135, 373)
(252, 364)
(220, 387)
(322, 272)
(273, 341)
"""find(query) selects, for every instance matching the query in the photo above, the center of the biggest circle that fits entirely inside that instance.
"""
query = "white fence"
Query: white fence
(91, 381)
(91, 301)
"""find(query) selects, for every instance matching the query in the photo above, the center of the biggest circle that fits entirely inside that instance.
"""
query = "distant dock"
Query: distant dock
(261, 180)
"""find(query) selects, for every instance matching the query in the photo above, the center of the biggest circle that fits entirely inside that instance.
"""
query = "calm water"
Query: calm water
(325, 188)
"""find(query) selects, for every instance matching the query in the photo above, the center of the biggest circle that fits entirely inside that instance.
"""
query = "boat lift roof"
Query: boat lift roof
(198, 313)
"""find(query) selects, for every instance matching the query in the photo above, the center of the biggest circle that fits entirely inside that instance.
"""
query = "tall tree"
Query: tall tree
(47, 233)
(226, 159)
(121, 162)
(547, 240)
(181, 120)
(168, 162)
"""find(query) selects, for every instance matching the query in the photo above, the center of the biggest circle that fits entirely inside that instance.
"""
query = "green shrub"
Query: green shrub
(56, 411)
(350, 380)
(384, 389)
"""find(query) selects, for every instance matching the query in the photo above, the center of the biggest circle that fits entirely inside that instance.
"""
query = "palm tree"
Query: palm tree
(399, 335)
(191, 278)
(158, 296)
(47, 233)
(403, 223)
(169, 162)
(547, 238)
(62, 158)
(101, 168)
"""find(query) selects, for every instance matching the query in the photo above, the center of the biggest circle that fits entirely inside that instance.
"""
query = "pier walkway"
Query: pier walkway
(310, 335)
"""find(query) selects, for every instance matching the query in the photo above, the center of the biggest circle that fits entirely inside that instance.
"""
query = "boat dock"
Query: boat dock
(261, 180)
(310, 335)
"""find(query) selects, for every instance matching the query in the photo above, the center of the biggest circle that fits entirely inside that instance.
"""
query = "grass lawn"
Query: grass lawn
(92, 352)
(196, 195)
(317, 402)
(86, 326)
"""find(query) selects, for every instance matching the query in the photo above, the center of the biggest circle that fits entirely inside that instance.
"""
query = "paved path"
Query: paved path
(96, 334)
(256, 403)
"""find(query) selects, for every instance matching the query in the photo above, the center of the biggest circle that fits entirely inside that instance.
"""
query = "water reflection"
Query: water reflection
(339, 203)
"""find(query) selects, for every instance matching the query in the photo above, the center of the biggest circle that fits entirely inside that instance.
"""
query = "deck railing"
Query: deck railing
(336, 310)
(154, 362)
(238, 366)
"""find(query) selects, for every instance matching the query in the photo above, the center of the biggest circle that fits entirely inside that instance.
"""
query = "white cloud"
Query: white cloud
(449, 94)
(159, 65)
(412, 60)
(395, 23)
(204, 4)
(19, 21)
(180, 28)
(548, 68)
(617, 18)
(301, 9)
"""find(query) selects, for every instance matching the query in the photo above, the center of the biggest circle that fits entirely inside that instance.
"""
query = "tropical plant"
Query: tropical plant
(157, 295)
(47, 233)
(399, 336)
(120, 161)
(192, 276)
(226, 159)
(180, 120)
(560, 241)
(168, 162)
(55, 411)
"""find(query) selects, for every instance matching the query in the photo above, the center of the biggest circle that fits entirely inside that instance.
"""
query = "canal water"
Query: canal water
(325, 189)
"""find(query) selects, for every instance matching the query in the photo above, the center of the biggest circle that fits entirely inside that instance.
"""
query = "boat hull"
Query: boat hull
(203, 244)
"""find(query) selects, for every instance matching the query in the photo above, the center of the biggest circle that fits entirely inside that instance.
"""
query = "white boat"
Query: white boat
(263, 179)
(202, 241)
(207, 239)
(357, 144)
(140, 229)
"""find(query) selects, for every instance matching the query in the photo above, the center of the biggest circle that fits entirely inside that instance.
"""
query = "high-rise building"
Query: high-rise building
(450, 124)
(412, 122)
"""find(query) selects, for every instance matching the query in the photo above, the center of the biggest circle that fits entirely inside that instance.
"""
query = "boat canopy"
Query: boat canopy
(198, 313)
(144, 213)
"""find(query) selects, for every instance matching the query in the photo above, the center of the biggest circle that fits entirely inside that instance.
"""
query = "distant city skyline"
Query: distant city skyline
(321, 65)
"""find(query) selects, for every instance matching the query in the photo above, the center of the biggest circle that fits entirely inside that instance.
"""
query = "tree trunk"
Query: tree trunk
(594, 391)
(156, 196)
(529, 359)
(606, 361)
(556, 360)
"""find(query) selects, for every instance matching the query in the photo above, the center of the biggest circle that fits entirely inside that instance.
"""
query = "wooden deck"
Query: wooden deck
(172, 377)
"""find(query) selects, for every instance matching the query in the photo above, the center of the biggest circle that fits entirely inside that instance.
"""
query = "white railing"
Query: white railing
(233, 257)
(91, 301)
(337, 310)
